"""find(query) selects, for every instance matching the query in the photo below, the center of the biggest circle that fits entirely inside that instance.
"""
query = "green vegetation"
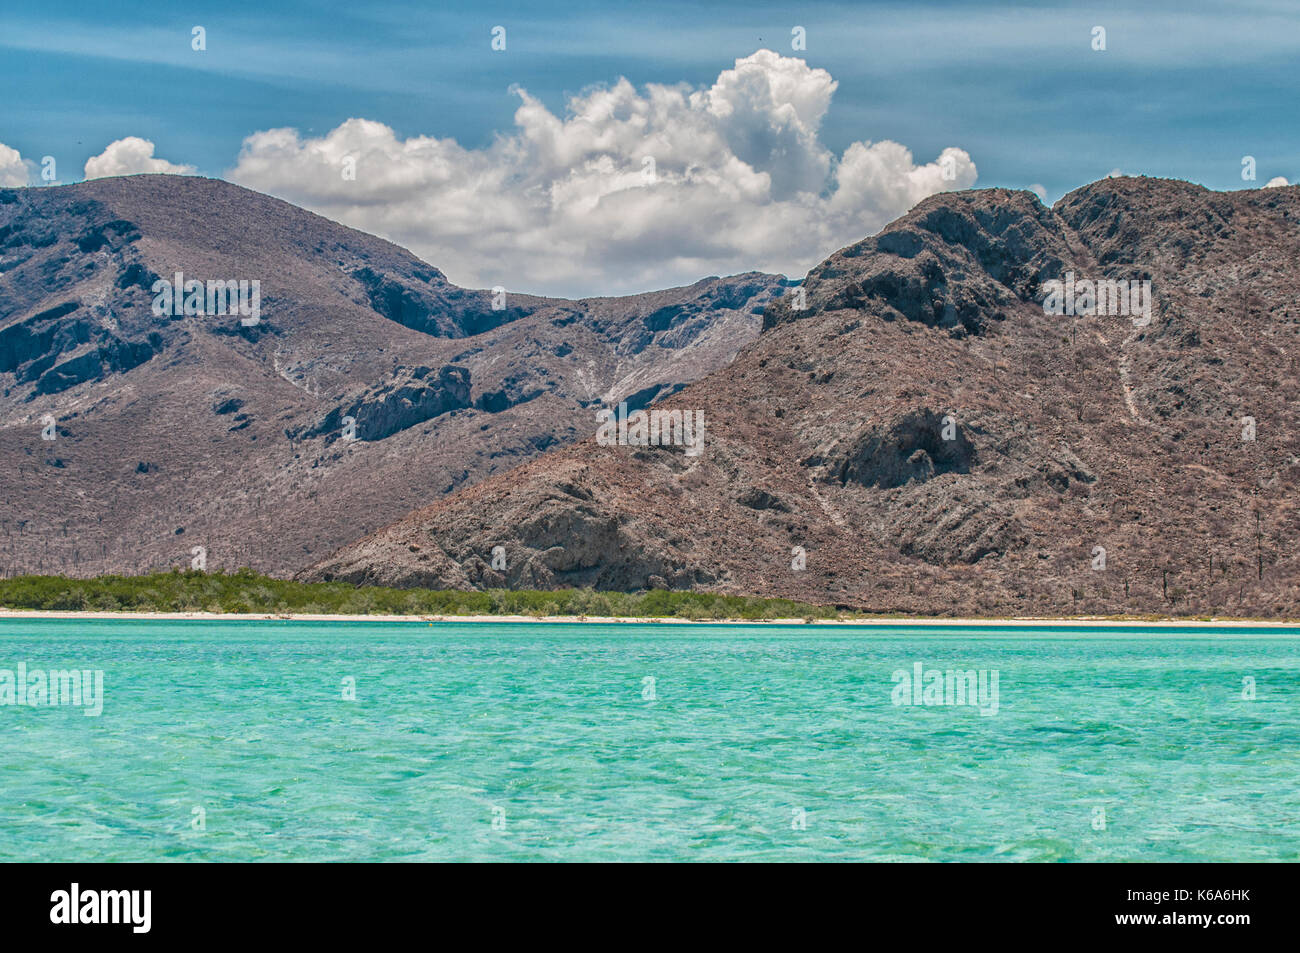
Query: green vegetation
(246, 591)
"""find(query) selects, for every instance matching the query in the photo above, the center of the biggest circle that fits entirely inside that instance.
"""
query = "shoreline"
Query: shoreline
(1027, 622)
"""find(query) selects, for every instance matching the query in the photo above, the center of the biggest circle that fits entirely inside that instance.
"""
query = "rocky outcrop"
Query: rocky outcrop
(414, 396)
(917, 446)
(954, 266)
(58, 351)
(114, 356)
(425, 302)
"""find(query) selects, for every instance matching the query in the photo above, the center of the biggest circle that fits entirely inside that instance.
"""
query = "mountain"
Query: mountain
(173, 431)
(933, 441)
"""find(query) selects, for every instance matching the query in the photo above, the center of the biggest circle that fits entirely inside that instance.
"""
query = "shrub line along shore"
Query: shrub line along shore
(245, 595)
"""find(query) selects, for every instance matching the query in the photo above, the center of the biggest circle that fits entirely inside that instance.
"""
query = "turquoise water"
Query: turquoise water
(549, 728)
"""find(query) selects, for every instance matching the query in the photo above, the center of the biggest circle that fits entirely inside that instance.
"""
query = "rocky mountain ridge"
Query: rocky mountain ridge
(136, 435)
(915, 432)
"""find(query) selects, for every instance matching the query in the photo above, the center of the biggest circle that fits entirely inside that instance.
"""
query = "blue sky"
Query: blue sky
(1183, 89)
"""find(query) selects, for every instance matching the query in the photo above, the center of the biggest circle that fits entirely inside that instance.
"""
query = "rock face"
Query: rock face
(176, 431)
(922, 437)
(958, 268)
(413, 396)
(910, 448)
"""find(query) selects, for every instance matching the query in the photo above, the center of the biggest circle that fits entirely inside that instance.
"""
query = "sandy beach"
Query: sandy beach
(1029, 623)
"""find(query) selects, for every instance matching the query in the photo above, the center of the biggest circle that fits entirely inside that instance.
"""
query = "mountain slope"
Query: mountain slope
(176, 431)
(934, 442)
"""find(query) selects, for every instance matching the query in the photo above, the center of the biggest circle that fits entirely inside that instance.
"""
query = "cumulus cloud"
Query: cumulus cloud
(1276, 182)
(131, 156)
(13, 171)
(628, 190)
(1041, 192)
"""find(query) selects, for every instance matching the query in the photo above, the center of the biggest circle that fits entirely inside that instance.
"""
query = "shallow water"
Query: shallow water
(547, 730)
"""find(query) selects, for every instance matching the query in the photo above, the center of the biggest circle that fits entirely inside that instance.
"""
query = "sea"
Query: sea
(280, 740)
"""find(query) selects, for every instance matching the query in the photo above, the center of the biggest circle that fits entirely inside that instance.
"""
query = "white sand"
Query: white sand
(1181, 624)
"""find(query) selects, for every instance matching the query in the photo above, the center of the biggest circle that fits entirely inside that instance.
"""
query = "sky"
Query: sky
(768, 147)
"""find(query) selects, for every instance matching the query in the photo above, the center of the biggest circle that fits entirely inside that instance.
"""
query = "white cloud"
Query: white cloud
(13, 171)
(629, 190)
(1041, 192)
(131, 156)
(1276, 181)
